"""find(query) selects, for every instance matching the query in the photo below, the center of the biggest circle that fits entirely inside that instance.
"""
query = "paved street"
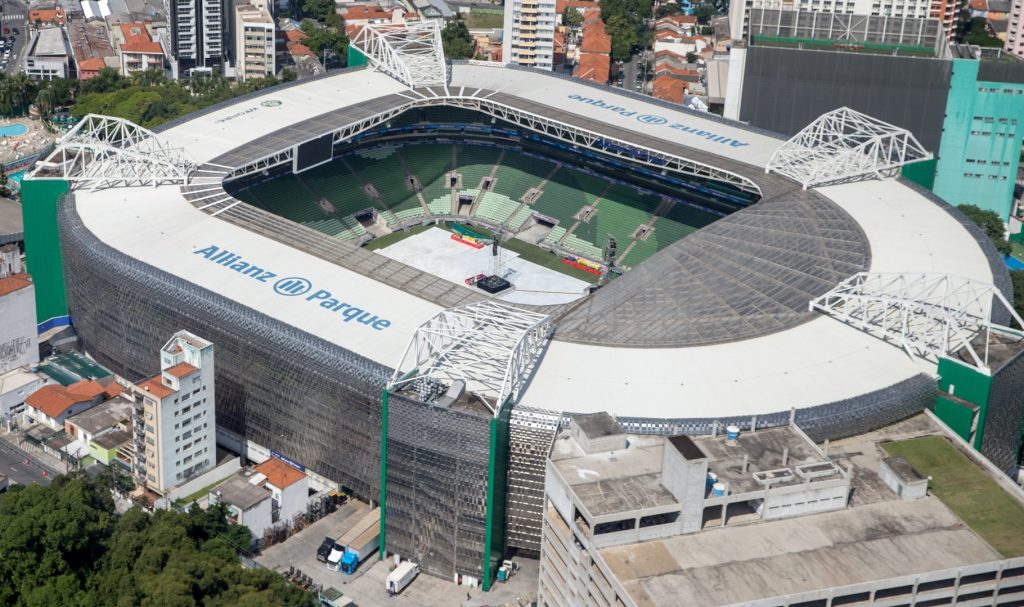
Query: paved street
(14, 15)
(12, 464)
(366, 586)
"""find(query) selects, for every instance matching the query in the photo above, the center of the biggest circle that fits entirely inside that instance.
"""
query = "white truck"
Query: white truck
(398, 579)
(359, 541)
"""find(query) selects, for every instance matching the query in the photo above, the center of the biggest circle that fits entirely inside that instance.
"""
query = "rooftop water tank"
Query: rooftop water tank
(718, 489)
(732, 432)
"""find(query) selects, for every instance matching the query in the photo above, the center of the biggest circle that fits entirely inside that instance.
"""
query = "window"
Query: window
(195, 380)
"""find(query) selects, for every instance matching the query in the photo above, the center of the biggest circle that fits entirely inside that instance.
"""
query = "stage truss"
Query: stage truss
(490, 346)
(103, 151)
(844, 145)
(928, 315)
(412, 53)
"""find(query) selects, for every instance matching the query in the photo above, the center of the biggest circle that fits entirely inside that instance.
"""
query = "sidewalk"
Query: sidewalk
(53, 465)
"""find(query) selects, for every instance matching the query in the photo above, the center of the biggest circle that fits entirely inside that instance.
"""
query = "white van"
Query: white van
(398, 579)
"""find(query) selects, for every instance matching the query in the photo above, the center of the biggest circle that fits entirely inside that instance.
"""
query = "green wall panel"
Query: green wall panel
(955, 415)
(497, 489)
(355, 58)
(921, 173)
(42, 245)
(967, 384)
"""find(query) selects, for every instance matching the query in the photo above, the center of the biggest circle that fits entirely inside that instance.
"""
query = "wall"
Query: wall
(42, 248)
(276, 386)
(294, 498)
(785, 89)
(436, 487)
(257, 518)
(981, 142)
(19, 344)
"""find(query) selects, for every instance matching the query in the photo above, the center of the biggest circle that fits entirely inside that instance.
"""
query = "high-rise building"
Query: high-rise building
(530, 33)
(944, 10)
(175, 428)
(1015, 30)
(254, 42)
(196, 33)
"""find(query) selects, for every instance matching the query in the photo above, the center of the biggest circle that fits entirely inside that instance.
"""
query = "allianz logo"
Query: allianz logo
(293, 286)
(655, 120)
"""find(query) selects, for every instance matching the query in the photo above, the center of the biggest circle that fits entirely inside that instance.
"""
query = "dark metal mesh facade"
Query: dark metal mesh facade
(530, 434)
(785, 89)
(1001, 442)
(839, 419)
(277, 386)
(436, 486)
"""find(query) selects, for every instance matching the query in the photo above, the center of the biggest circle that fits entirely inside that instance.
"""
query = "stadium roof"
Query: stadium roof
(714, 325)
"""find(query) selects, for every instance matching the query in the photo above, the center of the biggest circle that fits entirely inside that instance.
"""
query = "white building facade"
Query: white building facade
(175, 424)
(530, 33)
(254, 42)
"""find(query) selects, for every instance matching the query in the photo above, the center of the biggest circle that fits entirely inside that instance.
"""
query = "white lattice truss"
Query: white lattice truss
(490, 346)
(843, 145)
(928, 315)
(412, 53)
(102, 151)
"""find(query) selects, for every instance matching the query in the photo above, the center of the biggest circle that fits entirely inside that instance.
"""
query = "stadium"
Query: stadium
(673, 268)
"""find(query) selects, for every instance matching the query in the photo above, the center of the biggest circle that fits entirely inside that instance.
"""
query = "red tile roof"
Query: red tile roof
(595, 67)
(14, 282)
(595, 38)
(295, 35)
(54, 399)
(182, 370)
(357, 13)
(154, 387)
(678, 20)
(279, 474)
(668, 88)
(137, 39)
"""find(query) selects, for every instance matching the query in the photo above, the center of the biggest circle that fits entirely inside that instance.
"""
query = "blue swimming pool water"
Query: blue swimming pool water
(13, 130)
(16, 177)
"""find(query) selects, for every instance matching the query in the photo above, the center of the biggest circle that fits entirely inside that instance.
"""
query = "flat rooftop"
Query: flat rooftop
(763, 451)
(878, 536)
(239, 492)
(747, 562)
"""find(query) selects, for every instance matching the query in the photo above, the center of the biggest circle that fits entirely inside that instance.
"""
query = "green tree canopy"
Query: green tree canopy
(705, 11)
(64, 545)
(624, 37)
(321, 10)
(990, 223)
(572, 17)
(458, 43)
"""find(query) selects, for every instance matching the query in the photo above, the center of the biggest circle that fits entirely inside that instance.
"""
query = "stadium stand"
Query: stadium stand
(475, 162)
(496, 208)
(519, 172)
(335, 183)
(442, 205)
(431, 164)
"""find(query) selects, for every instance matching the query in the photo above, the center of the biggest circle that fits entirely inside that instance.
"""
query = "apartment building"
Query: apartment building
(175, 428)
(254, 42)
(530, 33)
(1015, 30)
(197, 30)
(946, 11)
(136, 48)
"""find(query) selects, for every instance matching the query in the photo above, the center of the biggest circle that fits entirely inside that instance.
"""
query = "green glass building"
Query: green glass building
(981, 135)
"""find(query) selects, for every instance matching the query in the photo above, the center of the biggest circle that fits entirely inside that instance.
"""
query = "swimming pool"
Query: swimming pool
(13, 130)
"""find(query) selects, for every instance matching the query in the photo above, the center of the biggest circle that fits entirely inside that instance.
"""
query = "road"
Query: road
(14, 14)
(12, 463)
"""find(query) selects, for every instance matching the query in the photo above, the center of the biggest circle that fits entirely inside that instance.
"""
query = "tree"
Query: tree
(990, 223)
(319, 38)
(1017, 277)
(979, 35)
(624, 37)
(572, 17)
(321, 10)
(64, 545)
(458, 43)
(705, 11)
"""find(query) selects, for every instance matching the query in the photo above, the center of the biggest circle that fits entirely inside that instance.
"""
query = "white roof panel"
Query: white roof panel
(683, 128)
(341, 306)
(210, 135)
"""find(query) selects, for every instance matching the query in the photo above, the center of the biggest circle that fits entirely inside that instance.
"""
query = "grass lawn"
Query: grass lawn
(185, 501)
(482, 19)
(1017, 250)
(967, 491)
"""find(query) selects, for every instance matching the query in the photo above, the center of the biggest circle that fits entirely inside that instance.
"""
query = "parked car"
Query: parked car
(325, 549)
